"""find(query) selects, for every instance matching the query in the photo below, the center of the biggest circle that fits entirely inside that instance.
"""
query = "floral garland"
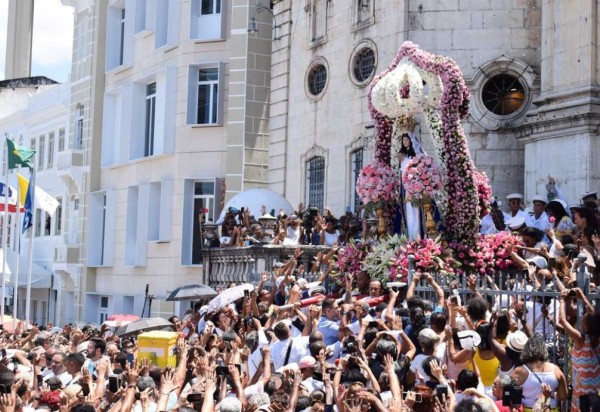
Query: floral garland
(429, 254)
(490, 253)
(377, 185)
(349, 259)
(460, 205)
(422, 179)
(484, 190)
(381, 258)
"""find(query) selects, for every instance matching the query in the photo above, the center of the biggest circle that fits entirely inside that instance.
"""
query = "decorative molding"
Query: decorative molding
(502, 64)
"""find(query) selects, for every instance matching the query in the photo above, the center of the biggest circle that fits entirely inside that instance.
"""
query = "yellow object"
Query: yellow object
(488, 368)
(159, 347)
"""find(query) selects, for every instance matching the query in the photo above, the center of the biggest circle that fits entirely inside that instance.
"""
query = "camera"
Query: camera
(512, 395)
(351, 346)
(114, 382)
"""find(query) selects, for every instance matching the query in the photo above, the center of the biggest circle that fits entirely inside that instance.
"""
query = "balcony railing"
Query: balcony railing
(67, 159)
(245, 264)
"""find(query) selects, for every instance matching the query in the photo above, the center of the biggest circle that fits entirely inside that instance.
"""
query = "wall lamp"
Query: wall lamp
(252, 25)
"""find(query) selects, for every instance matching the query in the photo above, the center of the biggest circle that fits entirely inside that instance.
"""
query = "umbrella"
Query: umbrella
(120, 320)
(142, 325)
(228, 296)
(192, 292)
(7, 325)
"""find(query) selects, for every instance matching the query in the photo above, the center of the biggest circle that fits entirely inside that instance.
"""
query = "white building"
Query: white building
(34, 113)
(178, 122)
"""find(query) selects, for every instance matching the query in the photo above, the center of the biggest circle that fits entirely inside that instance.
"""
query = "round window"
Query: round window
(317, 78)
(364, 64)
(503, 94)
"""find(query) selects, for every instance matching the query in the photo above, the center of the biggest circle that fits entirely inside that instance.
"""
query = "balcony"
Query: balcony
(245, 264)
(68, 159)
(70, 167)
(65, 255)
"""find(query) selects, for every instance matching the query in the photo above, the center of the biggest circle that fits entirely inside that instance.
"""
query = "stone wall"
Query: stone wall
(472, 32)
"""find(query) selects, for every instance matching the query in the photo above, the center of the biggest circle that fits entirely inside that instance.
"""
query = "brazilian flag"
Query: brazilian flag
(19, 155)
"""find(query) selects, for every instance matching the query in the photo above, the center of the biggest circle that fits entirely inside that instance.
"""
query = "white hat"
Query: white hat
(515, 196)
(539, 261)
(302, 283)
(316, 289)
(560, 202)
(469, 339)
(589, 194)
(516, 341)
(539, 198)
(515, 222)
(428, 334)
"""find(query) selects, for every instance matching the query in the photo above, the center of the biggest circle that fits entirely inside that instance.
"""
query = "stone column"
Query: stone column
(19, 35)
(560, 133)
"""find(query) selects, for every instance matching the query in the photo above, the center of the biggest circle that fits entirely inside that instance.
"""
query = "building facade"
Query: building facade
(182, 128)
(513, 60)
(34, 113)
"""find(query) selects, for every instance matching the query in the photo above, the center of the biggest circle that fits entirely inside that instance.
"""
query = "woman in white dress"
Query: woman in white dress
(411, 216)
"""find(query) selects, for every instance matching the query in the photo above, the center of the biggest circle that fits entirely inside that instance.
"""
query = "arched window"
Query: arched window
(315, 182)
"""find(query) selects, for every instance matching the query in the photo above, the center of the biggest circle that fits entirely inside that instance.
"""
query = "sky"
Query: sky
(52, 39)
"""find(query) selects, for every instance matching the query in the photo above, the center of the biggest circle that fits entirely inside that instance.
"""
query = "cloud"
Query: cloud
(52, 39)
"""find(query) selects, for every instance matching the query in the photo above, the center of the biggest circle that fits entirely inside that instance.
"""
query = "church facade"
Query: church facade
(530, 66)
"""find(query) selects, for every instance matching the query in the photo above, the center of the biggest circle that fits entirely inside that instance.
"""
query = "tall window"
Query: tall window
(204, 200)
(210, 7)
(122, 37)
(356, 160)
(150, 119)
(38, 222)
(79, 128)
(315, 182)
(61, 140)
(58, 218)
(103, 228)
(208, 95)
(50, 150)
(40, 153)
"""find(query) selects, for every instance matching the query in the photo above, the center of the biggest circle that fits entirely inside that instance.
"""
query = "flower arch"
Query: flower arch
(420, 82)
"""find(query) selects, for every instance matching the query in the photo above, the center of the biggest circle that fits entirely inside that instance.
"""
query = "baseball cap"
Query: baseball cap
(428, 334)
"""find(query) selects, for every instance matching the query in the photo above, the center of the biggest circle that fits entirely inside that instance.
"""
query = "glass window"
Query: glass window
(503, 94)
(61, 140)
(315, 182)
(208, 95)
(150, 119)
(50, 150)
(79, 129)
(40, 154)
(317, 78)
(204, 203)
(210, 7)
(356, 159)
(122, 37)
(364, 64)
(58, 218)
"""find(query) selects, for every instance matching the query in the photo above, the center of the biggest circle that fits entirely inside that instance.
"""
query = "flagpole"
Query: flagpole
(30, 189)
(4, 238)
(18, 255)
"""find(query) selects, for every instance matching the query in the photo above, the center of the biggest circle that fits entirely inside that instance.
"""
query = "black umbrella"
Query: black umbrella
(192, 292)
(143, 325)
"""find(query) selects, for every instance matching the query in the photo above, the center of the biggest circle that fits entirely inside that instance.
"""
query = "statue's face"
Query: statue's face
(406, 141)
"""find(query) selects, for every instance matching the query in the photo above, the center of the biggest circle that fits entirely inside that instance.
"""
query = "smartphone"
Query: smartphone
(222, 371)
(130, 358)
(551, 263)
(114, 382)
(195, 397)
(418, 397)
(247, 294)
(516, 396)
(40, 380)
(85, 388)
(441, 392)
(3, 352)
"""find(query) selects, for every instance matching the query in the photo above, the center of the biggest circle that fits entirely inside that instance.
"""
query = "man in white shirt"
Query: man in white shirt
(514, 204)
(59, 369)
(539, 218)
(285, 344)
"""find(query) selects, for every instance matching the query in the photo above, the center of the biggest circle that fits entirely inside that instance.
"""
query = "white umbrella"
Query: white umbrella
(228, 296)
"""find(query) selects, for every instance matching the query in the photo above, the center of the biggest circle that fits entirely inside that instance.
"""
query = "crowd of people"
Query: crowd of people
(290, 344)
(291, 347)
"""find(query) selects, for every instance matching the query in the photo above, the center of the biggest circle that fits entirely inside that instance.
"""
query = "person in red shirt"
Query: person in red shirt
(497, 390)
